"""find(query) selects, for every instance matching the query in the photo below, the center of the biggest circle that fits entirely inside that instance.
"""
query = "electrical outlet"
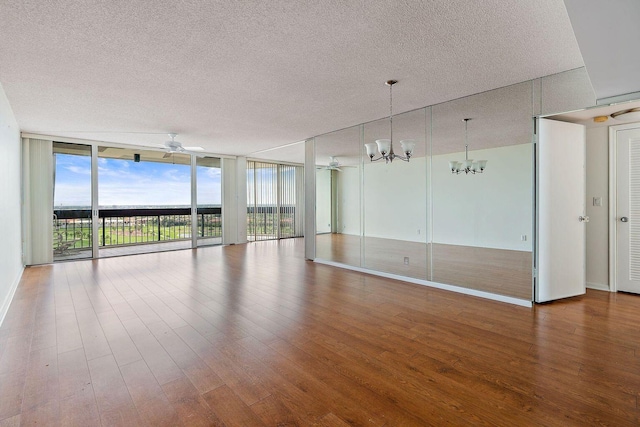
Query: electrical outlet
(523, 237)
(406, 260)
(597, 201)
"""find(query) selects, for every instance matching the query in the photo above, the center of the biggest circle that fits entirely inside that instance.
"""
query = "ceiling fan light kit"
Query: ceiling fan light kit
(468, 166)
(385, 146)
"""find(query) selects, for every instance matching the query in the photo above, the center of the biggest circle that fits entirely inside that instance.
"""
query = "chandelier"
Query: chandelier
(385, 146)
(468, 165)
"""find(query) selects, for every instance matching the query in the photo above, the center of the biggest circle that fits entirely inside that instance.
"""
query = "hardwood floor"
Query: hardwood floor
(497, 271)
(254, 335)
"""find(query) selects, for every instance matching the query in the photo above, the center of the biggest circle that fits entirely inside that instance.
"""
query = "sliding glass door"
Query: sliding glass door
(110, 201)
(275, 201)
(209, 201)
(72, 196)
(262, 201)
(144, 201)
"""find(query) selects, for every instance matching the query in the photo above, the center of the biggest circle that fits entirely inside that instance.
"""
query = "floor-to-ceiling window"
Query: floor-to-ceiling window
(275, 201)
(209, 200)
(110, 201)
(72, 228)
(144, 201)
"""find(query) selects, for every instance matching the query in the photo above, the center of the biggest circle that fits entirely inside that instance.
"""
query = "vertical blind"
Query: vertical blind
(275, 200)
(38, 173)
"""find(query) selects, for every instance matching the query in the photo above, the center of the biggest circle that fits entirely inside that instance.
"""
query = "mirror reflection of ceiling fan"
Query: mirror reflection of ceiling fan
(173, 146)
(334, 165)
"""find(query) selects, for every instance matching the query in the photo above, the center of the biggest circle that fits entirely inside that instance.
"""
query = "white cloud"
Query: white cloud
(79, 170)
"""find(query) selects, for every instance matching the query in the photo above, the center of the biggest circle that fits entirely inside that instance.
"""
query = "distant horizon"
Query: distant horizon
(128, 183)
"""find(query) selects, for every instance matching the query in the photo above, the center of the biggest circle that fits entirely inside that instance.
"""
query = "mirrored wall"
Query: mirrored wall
(417, 218)
(339, 216)
(482, 223)
(432, 218)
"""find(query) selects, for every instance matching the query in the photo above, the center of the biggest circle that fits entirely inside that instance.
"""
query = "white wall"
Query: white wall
(395, 200)
(348, 201)
(598, 226)
(10, 207)
(491, 210)
(323, 201)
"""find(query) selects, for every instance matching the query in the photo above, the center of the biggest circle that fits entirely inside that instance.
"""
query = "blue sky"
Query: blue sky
(126, 183)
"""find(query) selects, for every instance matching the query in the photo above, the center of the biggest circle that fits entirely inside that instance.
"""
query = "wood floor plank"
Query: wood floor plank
(41, 385)
(94, 342)
(230, 408)
(190, 406)
(147, 395)
(79, 409)
(47, 413)
(11, 422)
(122, 347)
(157, 359)
(112, 396)
(353, 393)
(73, 373)
(201, 376)
(247, 388)
(331, 420)
(11, 393)
(273, 412)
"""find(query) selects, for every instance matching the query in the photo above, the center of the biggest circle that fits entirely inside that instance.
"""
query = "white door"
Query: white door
(560, 197)
(628, 210)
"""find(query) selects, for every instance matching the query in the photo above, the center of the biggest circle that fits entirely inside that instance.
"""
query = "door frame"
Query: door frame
(613, 201)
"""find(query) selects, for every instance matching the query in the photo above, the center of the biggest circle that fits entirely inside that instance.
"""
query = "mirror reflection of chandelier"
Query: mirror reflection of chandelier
(385, 146)
(468, 165)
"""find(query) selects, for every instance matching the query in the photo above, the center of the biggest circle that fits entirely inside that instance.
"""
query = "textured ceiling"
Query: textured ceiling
(236, 77)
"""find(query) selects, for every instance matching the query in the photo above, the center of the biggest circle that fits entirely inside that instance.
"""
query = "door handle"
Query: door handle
(624, 219)
(583, 218)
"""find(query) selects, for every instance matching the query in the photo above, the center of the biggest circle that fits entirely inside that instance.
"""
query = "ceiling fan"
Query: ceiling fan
(334, 165)
(174, 146)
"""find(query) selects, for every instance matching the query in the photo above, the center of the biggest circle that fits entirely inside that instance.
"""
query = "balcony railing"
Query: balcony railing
(118, 227)
(262, 222)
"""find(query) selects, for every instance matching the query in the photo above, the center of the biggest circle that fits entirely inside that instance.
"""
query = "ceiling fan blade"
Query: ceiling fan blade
(194, 148)
(166, 155)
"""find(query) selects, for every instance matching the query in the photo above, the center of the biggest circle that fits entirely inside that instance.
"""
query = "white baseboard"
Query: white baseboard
(598, 286)
(452, 288)
(4, 309)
